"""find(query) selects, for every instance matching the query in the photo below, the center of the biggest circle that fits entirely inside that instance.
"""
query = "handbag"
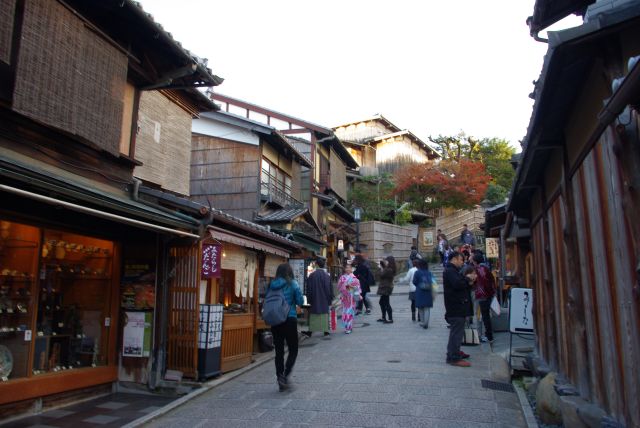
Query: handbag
(471, 337)
(495, 306)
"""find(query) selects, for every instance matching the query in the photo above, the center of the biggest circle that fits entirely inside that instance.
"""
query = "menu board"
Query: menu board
(299, 271)
(210, 340)
(210, 332)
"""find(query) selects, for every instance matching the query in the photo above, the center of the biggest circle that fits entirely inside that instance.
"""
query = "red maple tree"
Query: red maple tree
(459, 185)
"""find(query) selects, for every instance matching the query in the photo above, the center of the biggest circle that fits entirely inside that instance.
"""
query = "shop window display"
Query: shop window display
(18, 261)
(73, 304)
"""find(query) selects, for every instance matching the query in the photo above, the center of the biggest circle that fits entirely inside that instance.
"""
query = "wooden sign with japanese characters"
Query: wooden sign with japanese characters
(211, 266)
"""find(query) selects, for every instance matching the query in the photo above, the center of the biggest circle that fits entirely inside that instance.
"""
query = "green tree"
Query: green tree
(374, 195)
(496, 194)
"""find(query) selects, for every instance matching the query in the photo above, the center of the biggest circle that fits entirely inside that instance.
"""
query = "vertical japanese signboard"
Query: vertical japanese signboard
(492, 248)
(520, 311)
(211, 266)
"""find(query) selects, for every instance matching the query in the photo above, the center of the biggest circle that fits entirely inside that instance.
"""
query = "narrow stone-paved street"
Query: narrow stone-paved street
(381, 375)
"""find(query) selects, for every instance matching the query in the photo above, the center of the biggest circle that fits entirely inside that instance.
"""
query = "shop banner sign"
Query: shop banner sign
(492, 248)
(211, 263)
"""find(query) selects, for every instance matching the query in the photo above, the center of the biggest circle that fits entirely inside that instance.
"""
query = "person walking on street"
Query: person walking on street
(349, 288)
(485, 289)
(365, 277)
(457, 302)
(408, 278)
(385, 288)
(442, 246)
(423, 281)
(288, 330)
(414, 255)
(466, 236)
(319, 297)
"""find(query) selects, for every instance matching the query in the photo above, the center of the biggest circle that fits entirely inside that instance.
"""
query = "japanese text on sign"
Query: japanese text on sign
(211, 260)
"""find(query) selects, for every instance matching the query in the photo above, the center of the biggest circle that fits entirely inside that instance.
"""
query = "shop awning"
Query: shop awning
(95, 212)
(307, 242)
(243, 241)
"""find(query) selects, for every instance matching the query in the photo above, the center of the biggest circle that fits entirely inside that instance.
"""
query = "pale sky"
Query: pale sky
(433, 67)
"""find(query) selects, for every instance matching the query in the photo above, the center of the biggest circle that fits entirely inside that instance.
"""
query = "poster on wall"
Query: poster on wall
(520, 311)
(427, 238)
(136, 341)
(211, 265)
(492, 249)
(137, 290)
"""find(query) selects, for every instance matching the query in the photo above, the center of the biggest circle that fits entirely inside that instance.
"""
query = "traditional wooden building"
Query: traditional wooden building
(322, 183)
(379, 146)
(93, 97)
(577, 189)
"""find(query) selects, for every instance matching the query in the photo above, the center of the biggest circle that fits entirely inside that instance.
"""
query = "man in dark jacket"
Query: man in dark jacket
(457, 302)
(319, 297)
(364, 275)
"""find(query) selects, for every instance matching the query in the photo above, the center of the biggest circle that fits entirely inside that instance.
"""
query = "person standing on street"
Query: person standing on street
(423, 280)
(485, 289)
(414, 255)
(319, 297)
(349, 288)
(457, 302)
(408, 278)
(442, 245)
(288, 330)
(385, 288)
(364, 275)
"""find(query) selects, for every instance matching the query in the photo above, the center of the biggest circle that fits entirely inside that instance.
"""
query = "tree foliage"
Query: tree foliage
(494, 153)
(457, 184)
(374, 195)
(496, 194)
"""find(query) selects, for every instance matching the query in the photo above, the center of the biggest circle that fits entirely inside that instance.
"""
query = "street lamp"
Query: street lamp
(357, 212)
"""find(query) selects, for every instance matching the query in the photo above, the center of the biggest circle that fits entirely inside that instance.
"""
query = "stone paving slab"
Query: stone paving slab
(382, 375)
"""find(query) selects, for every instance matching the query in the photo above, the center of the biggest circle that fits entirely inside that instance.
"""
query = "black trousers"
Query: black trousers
(385, 307)
(287, 331)
(364, 302)
(485, 310)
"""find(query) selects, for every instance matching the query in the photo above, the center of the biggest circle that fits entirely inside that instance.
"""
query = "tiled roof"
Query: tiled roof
(282, 215)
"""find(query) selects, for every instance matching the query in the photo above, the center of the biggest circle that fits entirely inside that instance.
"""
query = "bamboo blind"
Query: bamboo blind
(182, 352)
(163, 144)
(68, 76)
(7, 10)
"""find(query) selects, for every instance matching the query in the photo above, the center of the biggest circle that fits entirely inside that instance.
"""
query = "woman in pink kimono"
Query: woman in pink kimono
(349, 288)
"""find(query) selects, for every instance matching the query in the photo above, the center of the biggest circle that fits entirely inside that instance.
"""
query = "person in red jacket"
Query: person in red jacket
(485, 289)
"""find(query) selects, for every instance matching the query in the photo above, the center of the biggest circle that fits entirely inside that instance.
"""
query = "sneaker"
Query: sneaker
(358, 313)
(459, 363)
(381, 320)
(282, 383)
(326, 333)
(368, 312)
(463, 355)
(484, 339)
(307, 333)
(388, 321)
(348, 332)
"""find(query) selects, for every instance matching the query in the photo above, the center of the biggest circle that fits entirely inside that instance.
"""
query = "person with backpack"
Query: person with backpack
(279, 311)
(423, 281)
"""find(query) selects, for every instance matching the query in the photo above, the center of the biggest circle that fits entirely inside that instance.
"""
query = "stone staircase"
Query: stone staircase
(451, 224)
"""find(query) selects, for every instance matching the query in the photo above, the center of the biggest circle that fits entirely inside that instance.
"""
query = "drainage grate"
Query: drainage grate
(497, 386)
(394, 361)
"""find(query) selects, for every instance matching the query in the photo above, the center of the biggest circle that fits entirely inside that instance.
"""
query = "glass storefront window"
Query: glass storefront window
(74, 302)
(19, 246)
